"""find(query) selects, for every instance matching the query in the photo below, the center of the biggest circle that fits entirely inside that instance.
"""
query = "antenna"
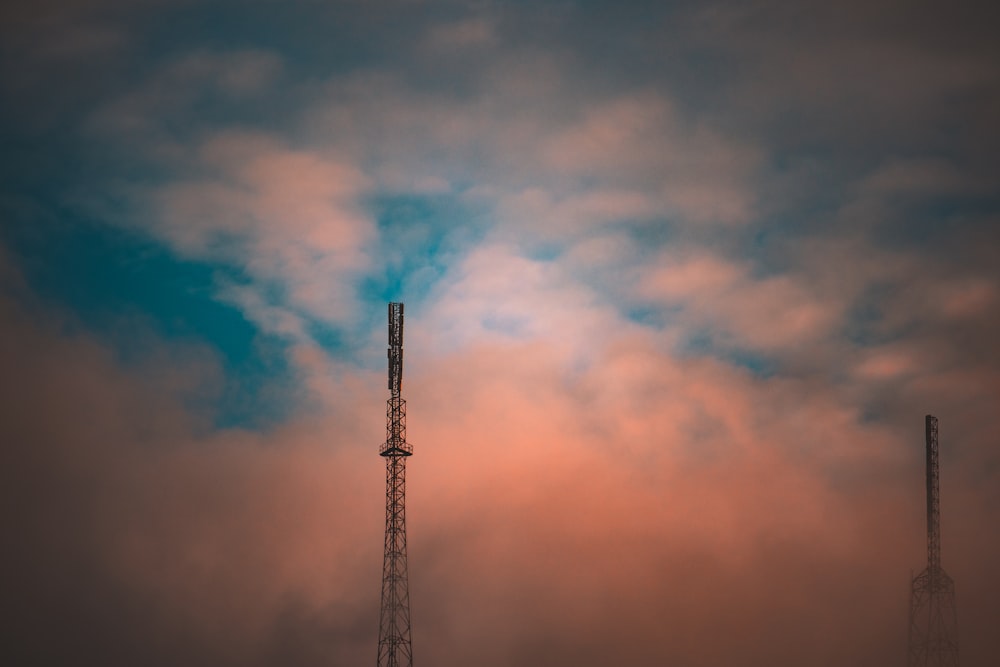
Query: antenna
(395, 351)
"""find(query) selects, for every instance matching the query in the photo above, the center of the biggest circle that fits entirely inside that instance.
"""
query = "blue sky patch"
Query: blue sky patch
(106, 276)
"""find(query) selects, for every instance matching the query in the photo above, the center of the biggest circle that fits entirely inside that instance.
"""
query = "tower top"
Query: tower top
(395, 442)
(395, 351)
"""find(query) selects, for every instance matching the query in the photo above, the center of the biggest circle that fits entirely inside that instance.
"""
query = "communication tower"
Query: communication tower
(394, 645)
(933, 618)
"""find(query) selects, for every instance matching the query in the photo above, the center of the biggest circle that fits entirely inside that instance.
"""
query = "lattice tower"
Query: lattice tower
(933, 638)
(394, 643)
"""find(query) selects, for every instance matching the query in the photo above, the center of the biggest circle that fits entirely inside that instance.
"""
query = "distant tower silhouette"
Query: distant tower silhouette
(394, 646)
(933, 619)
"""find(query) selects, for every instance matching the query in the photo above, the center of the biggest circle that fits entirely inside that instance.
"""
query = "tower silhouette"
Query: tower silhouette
(933, 618)
(394, 645)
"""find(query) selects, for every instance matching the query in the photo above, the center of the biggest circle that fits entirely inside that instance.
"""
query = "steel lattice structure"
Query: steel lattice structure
(394, 644)
(933, 618)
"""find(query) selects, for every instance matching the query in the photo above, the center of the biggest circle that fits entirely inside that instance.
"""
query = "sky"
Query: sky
(681, 279)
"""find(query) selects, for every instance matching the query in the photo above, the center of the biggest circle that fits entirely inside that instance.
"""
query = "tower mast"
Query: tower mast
(933, 495)
(933, 619)
(394, 645)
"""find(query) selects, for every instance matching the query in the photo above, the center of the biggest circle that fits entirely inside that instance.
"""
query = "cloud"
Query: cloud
(858, 79)
(687, 282)
(460, 35)
(655, 502)
(136, 535)
(160, 114)
(289, 219)
(636, 500)
(723, 297)
(697, 173)
(516, 137)
(922, 177)
(297, 218)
